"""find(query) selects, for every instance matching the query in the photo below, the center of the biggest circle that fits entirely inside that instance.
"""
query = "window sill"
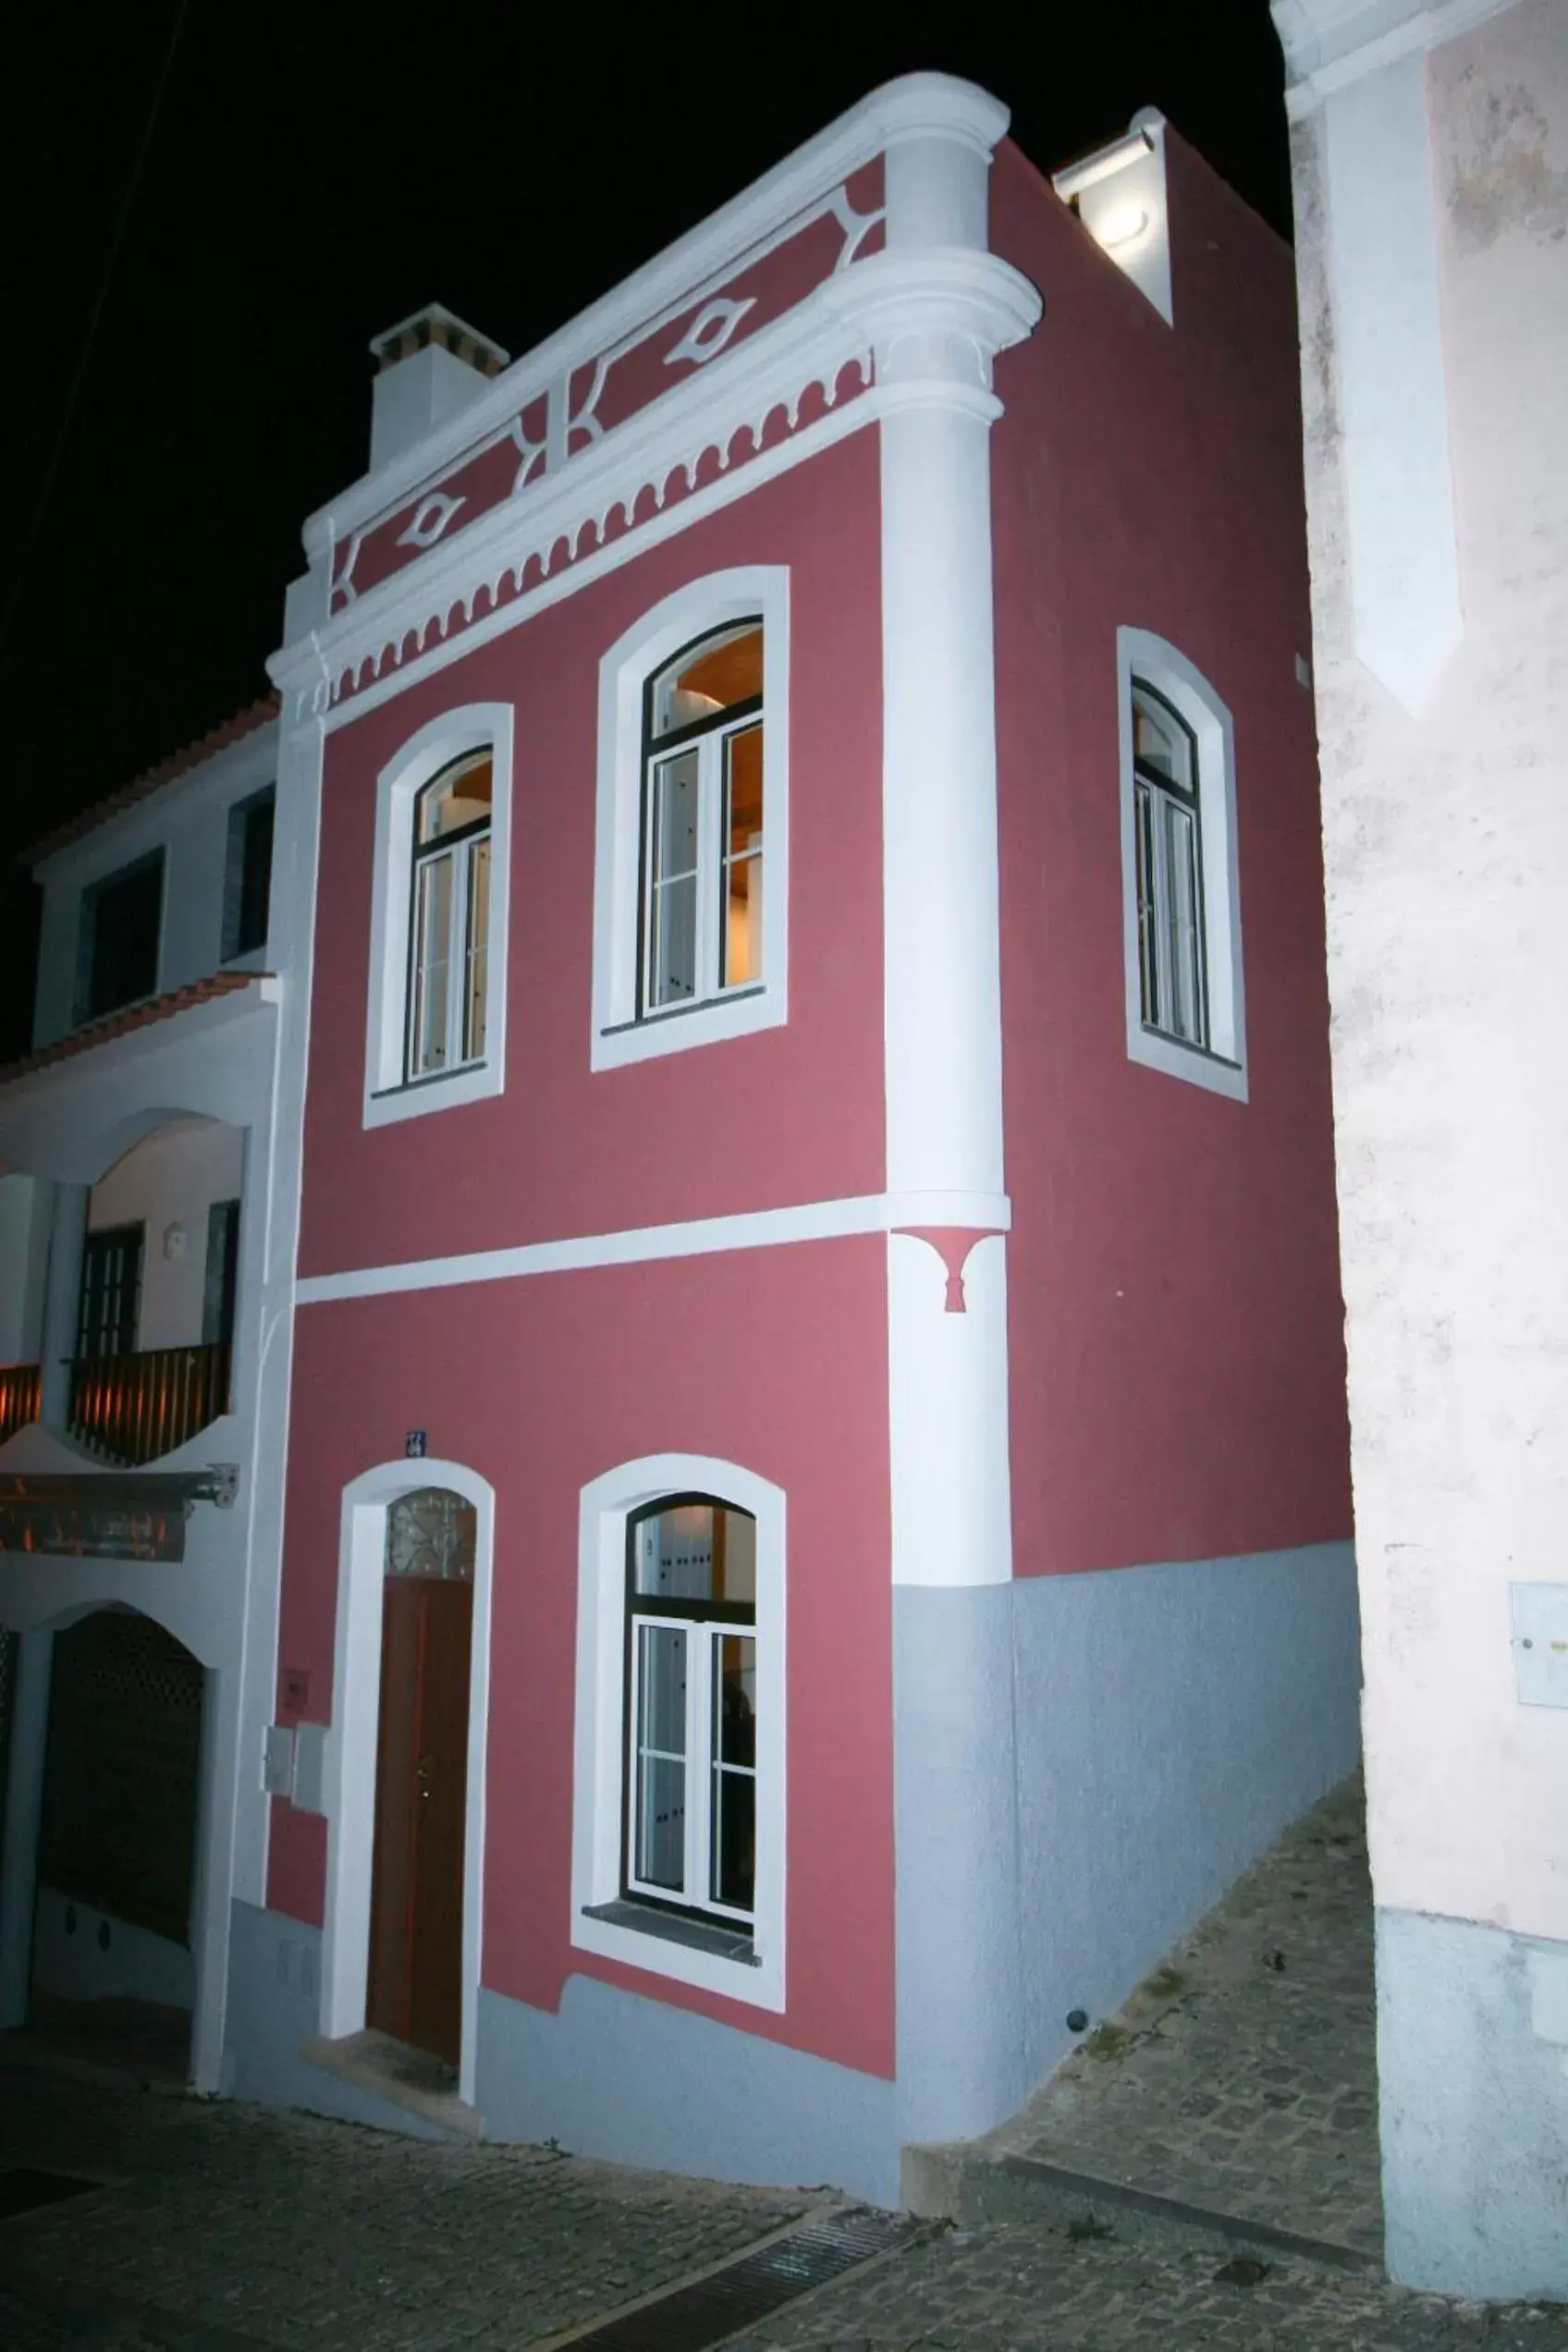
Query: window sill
(441, 1090)
(708, 1021)
(697, 1935)
(1156, 1050)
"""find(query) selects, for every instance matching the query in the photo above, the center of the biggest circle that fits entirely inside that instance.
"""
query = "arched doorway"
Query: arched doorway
(114, 1970)
(414, 1988)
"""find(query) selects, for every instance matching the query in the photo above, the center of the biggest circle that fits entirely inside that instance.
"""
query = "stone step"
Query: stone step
(954, 2184)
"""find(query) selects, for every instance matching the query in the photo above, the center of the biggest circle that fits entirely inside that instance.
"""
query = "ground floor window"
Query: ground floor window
(691, 1706)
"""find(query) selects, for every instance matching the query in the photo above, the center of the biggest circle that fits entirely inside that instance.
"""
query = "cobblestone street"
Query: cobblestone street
(1237, 2081)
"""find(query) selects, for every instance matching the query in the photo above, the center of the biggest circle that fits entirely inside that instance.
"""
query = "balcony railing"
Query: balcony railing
(18, 1398)
(135, 1408)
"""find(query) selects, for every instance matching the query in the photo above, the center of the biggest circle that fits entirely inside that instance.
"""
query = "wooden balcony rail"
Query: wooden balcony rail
(136, 1408)
(20, 1385)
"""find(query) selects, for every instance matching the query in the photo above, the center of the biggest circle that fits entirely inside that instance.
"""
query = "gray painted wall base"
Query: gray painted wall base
(618, 2075)
(273, 2005)
(1473, 2074)
(1084, 1765)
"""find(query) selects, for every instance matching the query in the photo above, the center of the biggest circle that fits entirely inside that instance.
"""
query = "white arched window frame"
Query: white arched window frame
(618, 1033)
(389, 1093)
(351, 1743)
(1220, 1065)
(601, 1762)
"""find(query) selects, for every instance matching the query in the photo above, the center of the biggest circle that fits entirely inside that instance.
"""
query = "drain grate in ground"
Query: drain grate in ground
(24, 2189)
(692, 2316)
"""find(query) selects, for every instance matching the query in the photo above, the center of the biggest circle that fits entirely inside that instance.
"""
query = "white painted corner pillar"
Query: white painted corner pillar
(937, 306)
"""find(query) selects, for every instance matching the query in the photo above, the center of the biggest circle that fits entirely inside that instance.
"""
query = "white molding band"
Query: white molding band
(699, 1237)
(1328, 44)
(1390, 382)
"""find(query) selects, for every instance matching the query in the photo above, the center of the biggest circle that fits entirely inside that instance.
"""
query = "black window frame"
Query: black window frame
(1153, 779)
(421, 853)
(87, 1008)
(241, 889)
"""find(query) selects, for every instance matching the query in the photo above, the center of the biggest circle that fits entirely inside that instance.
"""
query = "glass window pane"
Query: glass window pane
(459, 796)
(1181, 878)
(734, 1839)
(433, 931)
(476, 950)
(735, 1699)
(1159, 739)
(1148, 967)
(725, 668)
(732, 1862)
(672, 866)
(743, 858)
(660, 1815)
(697, 1552)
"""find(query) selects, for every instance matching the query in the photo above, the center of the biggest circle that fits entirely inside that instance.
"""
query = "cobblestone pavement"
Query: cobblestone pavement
(1017, 2288)
(284, 2229)
(1242, 2073)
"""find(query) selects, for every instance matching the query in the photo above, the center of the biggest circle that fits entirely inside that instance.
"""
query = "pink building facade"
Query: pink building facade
(815, 1521)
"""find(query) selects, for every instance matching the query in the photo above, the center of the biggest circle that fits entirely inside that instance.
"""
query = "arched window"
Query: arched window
(692, 1706)
(678, 1791)
(691, 878)
(702, 844)
(1181, 900)
(449, 919)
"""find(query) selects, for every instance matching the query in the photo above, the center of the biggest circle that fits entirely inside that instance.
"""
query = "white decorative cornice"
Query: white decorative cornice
(1330, 44)
(916, 105)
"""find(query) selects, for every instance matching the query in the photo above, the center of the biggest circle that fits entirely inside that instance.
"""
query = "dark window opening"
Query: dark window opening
(248, 886)
(120, 919)
(111, 1292)
(223, 1272)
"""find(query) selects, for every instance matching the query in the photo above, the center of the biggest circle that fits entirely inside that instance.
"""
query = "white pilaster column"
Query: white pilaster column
(62, 1300)
(24, 1803)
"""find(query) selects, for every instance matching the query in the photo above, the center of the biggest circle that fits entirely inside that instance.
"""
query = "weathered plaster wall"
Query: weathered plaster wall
(1446, 837)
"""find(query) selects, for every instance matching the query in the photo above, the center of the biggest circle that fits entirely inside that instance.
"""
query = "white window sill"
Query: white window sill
(1194, 1063)
(667, 1946)
(681, 1027)
(448, 1091)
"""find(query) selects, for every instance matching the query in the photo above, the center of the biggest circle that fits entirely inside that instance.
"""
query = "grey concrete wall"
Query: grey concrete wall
(1084, 1765)
(644, 2083)
(1473, 2067)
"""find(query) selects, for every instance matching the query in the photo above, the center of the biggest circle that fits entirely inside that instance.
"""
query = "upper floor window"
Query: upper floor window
(436, 1016)
(691, 882)
(248, 883)
(117, 950)
(702, 848)
(449, 919)
(1182, 906)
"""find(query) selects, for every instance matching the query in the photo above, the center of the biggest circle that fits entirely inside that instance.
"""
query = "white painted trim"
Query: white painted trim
(470, 727)
(351, 1745)
(1391, 379)
(616, 1036)
(914, 105)
(1324, 54)
(1139, 653)
(643, 1244)
(598, 1753)
(947, 1408)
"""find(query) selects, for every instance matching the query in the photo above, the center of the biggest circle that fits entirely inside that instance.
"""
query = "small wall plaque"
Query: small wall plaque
(415, 1445)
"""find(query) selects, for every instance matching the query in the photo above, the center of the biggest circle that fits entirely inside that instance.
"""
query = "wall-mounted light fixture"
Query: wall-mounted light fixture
(1119, 193)
(1118, 226)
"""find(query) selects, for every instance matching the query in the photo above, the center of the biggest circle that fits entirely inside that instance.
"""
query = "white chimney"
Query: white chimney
(428, 368)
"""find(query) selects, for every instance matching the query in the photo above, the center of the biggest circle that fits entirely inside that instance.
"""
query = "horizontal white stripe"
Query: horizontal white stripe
(701, 1237)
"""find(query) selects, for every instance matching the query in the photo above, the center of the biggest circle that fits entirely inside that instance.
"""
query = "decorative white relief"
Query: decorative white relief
(343, 584)
(709, 331)
(585, 421)
(530, 454)
(857, 226)
(429, 520)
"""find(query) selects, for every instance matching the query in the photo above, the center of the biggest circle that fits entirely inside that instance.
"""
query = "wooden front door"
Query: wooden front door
(416, 1931)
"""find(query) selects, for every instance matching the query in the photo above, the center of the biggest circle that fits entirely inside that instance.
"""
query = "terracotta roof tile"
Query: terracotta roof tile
(153, 780)
(142, 1016)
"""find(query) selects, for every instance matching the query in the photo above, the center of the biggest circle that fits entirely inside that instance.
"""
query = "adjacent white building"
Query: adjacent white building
(140, 1402)
(1431, 176)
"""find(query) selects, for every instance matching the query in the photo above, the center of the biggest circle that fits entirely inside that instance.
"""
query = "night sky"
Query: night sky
(212, 209)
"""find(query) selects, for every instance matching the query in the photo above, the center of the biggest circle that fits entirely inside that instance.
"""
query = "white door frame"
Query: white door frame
(352, 1748)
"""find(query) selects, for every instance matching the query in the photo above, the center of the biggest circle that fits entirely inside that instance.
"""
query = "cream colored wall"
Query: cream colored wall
(171, 1179)
(1446, 834)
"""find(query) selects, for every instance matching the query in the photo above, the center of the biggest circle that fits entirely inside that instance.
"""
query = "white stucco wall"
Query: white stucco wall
(170, 1180)
(1446, 834)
